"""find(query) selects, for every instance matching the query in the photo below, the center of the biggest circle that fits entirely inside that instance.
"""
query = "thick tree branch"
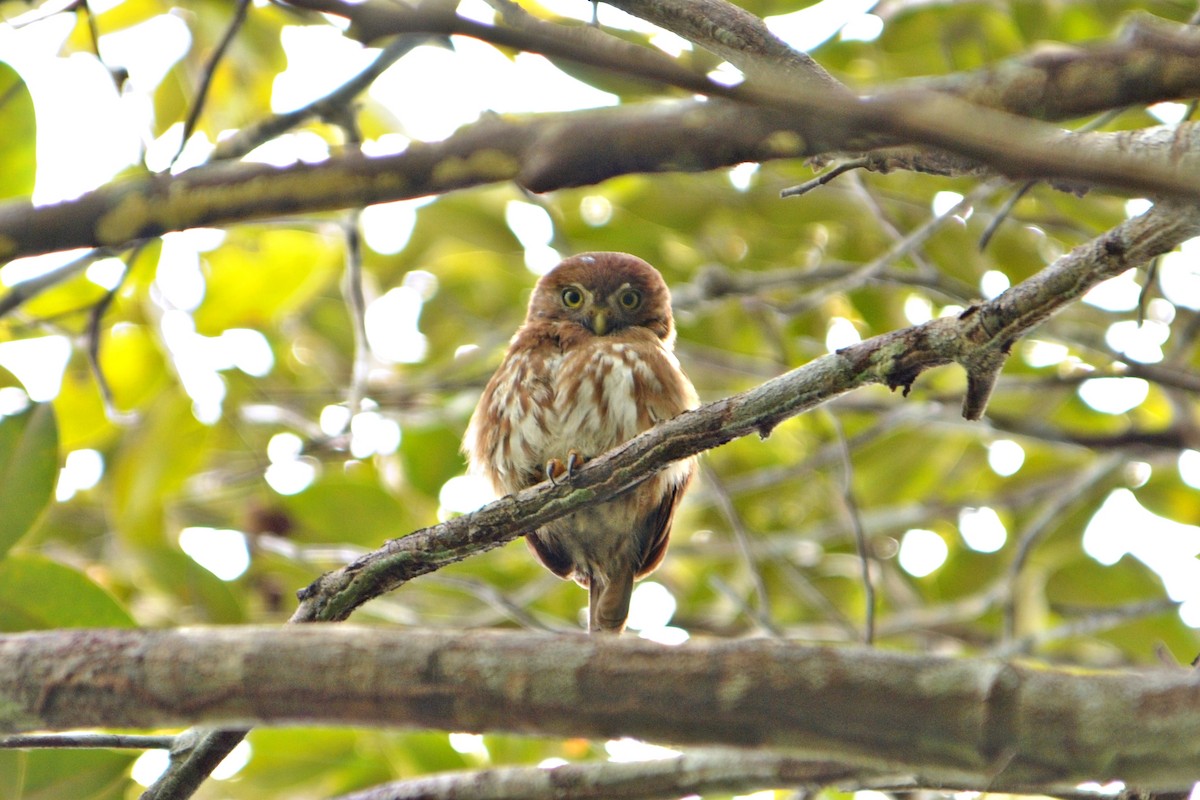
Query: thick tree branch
(955, 722)
(1056, 83)
(979, 340)
(545, 152)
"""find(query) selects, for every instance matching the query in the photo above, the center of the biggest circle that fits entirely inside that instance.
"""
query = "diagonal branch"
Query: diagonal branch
(735, 35)
(979, 340)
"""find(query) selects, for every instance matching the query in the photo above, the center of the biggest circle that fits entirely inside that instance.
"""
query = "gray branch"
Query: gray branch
(952, 721)
(979, 340)
(702, 771)
(546, 152)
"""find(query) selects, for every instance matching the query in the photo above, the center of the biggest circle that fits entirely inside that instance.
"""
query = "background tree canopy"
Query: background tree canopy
(248, 359)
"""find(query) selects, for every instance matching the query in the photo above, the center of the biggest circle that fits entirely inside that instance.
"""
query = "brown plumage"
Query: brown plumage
(592, 366)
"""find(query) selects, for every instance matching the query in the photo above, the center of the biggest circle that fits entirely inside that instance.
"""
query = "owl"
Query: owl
(592, 366)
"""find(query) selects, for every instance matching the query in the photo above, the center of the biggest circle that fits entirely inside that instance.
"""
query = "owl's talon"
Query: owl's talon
(557, 469)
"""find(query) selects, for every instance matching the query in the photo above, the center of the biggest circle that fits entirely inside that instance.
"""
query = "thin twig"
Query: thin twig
(860, 537)
(899, 249)
(803, 586)
(99, 741)
(1039, 526)
(25, 291)
(755, 615)
(250, 137)
(1101, 620)
(210, 69)
(1002, 214)
(839, 169)
(741, 536)
(352, 285)
(499, 601)
(356, 305)
(1143, 301)
(714, 770)
(93, 336)
(1006, 209)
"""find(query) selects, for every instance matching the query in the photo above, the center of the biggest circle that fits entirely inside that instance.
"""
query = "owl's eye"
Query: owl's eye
(630, 299)
(572, 297)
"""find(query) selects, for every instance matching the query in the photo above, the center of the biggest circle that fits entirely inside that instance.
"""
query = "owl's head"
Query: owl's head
(605, 293)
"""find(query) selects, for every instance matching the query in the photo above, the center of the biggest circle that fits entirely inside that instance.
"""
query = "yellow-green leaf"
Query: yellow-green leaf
(18, 162)
(37, 593)
(28, 469)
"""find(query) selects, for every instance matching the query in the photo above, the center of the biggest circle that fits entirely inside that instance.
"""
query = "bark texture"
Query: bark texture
(956, 721)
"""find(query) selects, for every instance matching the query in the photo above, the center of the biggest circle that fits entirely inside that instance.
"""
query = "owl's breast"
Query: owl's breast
(547, 401)
(605, 393)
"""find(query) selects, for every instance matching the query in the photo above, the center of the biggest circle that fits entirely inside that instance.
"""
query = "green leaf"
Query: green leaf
(28, 469)
(153, 462)
(207, 598)
(252, 281)
(348, 508)
(38, 594)
(18, 162)
(54, 774)
(430, 455)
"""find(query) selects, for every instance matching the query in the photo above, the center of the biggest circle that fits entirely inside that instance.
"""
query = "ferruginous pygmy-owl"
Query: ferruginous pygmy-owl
(592, 366)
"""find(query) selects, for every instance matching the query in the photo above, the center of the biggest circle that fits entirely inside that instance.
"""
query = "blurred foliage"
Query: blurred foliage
(110, 554)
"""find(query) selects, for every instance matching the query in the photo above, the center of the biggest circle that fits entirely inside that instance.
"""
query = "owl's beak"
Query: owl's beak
(599, 322)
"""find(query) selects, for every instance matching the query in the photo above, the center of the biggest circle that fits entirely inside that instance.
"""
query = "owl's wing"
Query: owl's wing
(673, 394)
(656, 530)
(552, 555)
(506, 437)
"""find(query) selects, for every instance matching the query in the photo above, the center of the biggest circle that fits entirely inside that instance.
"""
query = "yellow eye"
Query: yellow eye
(572, 297)
(630, 299)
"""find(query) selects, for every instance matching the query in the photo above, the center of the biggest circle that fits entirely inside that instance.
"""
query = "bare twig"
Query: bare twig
(825, 177)
(741, 536)
(110, 741)
(24, 291)
(210, 69)
(95, 318)
(1095, 622)
(356, 306)
(191, 767)
(860, 537)
(706, 770)
(1039, 526)
(334, 103)
(901, 248)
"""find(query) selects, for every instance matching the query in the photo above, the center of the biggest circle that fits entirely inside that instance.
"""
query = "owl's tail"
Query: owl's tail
(608, 602)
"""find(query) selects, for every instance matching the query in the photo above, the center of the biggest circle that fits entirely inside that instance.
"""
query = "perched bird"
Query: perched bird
(592, 366)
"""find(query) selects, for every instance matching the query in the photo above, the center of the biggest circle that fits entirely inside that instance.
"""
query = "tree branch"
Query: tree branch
(735, 35)
(984, 334)
(545, 152)
(979, 339)
(703, 771)
(64, 741)
(955, 722)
